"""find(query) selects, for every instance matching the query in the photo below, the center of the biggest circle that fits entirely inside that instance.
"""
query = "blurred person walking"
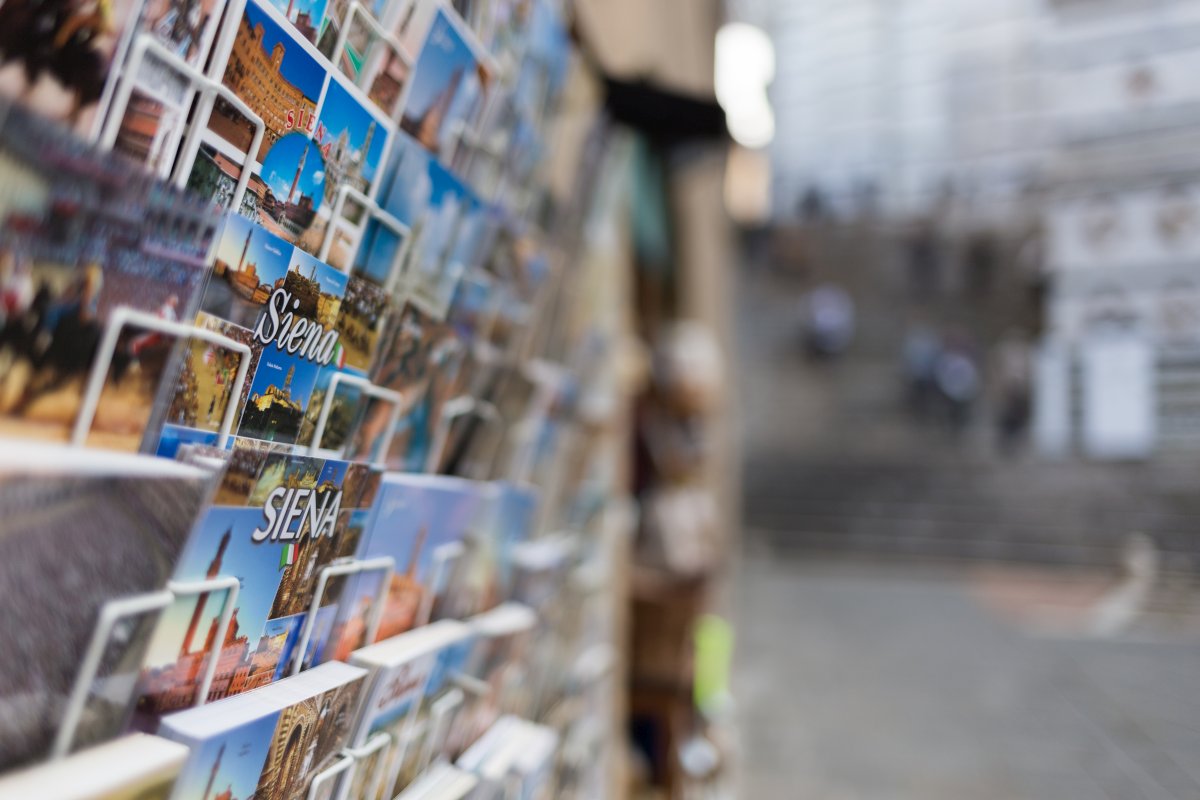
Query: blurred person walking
(922, 348)
(958, 381)
(828, 319)
(1013, 364)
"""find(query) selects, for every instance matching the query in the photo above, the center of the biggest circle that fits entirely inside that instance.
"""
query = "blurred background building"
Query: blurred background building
(952, 359)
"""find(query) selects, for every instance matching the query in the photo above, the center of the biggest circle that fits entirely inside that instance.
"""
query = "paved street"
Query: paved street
(865, 683)
(891, 588)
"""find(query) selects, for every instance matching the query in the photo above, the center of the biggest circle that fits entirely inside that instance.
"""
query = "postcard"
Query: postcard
(472, 576)
(543, 70)
(413, 446)
(269, 744)
(420, 362)
(353, 138)
(306, 16)
(122, 240)
(401, 670)
(375, 254)
(281, 79)
(420, 521)
(515, 513)
(380, 64)
(361, 321)
(421, 193)
(279, 397)
(472, 310)
(344, 625)
(150, 126)
(186, 28)
(448, 88)
(204, 390)
(345, 409)
(278, 76)
(59, 61)
(92, 527)
(283, 303)
(344, 619)
(152, 122)
(275, 541)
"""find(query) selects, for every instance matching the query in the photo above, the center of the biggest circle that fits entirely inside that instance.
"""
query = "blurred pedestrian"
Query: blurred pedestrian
(921, 351)
(828, 318)
(1013, 363)
(982, 258)
(958, 381)
(924, 260)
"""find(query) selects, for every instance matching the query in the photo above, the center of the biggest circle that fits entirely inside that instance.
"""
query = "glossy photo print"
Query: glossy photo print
(281, 79)
(353, 138)
(65, 266)
(447, 90)
(95, 528)
(57, 57)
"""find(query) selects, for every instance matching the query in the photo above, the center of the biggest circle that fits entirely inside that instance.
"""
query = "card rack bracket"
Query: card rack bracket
(316, 789)
(358, 11)
(358, 755)
(444, 559)
(113, 612)
(124, 316)
(490, 420)
(231, 586)
(357, 566)
(392, 398)
(373, 211)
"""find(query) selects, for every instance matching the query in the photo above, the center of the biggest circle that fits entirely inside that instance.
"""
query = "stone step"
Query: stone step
(1069, 514)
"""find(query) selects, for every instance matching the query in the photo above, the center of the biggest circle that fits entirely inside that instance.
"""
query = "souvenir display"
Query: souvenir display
(284, 251)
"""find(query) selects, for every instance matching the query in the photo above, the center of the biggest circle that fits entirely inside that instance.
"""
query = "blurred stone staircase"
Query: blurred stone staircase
(834, 465)
(1066, 514)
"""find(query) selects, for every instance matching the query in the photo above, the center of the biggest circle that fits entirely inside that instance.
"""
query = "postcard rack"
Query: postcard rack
(114, 612)
(177, 246)
(367, 389)
(385, 565)
(206, 88)
(123, 317)
(344, 768)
